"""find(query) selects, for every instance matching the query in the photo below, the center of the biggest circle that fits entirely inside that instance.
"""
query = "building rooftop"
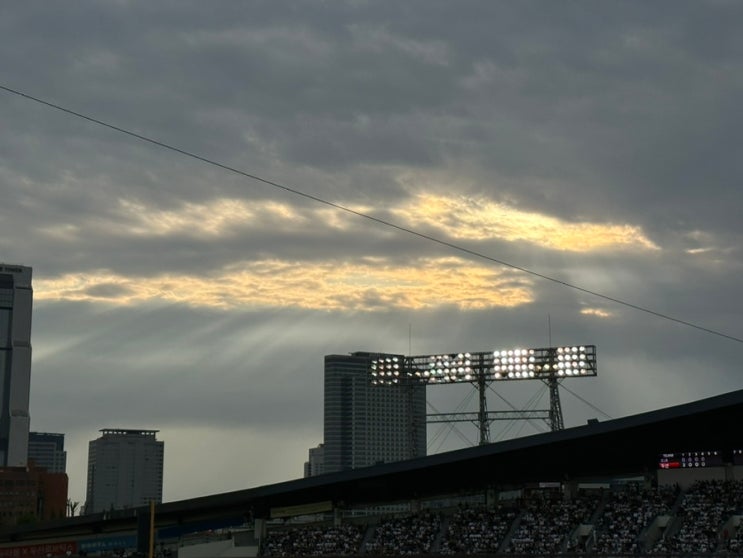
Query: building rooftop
(128, 431)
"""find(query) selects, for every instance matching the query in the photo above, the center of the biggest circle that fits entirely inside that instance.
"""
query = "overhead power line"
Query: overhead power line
(594, 407)
(368, 217)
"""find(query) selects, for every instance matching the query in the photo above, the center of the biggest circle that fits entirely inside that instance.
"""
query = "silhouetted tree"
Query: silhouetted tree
(71, 507)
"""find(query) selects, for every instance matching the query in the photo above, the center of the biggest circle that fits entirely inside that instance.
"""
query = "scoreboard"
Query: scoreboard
(691, 459)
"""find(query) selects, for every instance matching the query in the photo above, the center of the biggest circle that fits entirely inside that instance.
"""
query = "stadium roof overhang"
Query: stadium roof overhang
(600, 450)
(626, 446)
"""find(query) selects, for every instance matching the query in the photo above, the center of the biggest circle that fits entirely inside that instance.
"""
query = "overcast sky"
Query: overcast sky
(595, 143)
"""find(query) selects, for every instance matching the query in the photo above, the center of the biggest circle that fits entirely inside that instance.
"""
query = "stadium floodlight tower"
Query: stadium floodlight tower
(550, 365)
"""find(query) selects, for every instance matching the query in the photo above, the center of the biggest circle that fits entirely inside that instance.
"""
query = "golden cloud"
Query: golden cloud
(479, 219)
(457, 217)
(370, 285)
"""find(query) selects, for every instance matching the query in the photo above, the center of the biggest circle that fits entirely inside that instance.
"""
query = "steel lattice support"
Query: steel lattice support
(556, 422)
(482, 415)
(550, 365)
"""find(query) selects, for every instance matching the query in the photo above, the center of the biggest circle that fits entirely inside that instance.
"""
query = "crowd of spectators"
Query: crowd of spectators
(546, 523)
(626, 513)
(704, 508)
(477, 530)
(413, 534)
(315, 541)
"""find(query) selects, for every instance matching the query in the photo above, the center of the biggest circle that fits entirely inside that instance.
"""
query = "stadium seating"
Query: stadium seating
(629, 519)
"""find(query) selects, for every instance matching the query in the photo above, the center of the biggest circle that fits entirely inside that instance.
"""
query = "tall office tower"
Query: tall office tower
(364, 424)
(16, 299)
(125, 470)
(47, 451)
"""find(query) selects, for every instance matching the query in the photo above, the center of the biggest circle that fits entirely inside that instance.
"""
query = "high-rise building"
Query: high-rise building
(16, 299)
(125, 470)
(46, 451)
(365, 424)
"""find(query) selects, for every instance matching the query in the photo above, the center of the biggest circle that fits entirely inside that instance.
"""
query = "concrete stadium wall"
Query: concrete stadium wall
(217, 549)
(686, 477)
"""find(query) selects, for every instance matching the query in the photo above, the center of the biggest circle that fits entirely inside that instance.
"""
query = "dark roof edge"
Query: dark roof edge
(632, 421)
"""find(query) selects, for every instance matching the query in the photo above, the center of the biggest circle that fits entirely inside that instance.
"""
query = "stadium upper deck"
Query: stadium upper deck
(601, 450)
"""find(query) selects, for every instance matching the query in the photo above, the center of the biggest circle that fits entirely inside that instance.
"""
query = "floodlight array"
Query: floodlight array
(576, 361)
(444, 369)
(519, 364)
(514, 364)
(387, 369)
(501, 365)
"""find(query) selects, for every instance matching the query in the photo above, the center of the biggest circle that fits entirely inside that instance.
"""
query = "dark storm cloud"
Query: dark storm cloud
(620, 105)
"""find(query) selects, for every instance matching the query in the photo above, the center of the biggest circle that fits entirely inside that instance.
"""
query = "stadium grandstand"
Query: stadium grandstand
(663, 483)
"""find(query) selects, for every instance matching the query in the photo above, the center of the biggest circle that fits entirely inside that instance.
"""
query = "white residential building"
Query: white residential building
(125, 470)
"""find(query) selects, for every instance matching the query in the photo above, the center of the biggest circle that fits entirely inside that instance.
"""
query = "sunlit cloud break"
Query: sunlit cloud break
(372, 284)
(598, 312)
(458, 217)
(481, 219)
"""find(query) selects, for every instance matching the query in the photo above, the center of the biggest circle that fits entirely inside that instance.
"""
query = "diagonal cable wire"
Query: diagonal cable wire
(377, 220)
(536, 398)
(451, 427)
(530, 404)
(592, 406)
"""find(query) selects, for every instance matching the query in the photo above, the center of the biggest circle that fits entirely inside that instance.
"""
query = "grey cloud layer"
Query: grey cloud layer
(629, 98)
(590, 112)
